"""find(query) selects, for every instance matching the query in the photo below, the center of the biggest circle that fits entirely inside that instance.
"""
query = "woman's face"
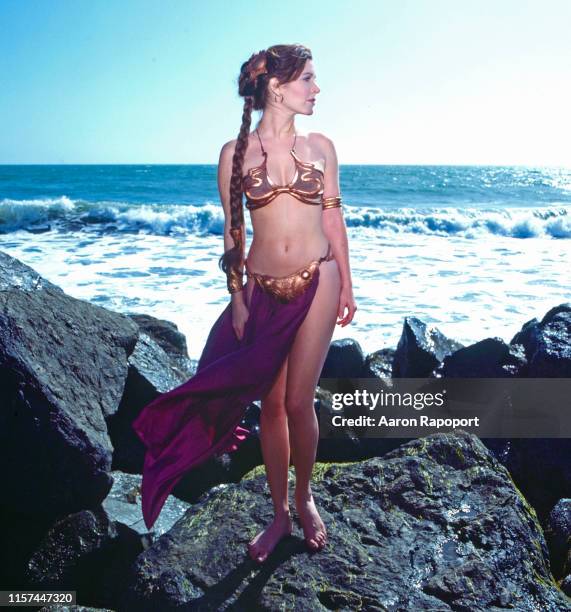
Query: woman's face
(299, 95)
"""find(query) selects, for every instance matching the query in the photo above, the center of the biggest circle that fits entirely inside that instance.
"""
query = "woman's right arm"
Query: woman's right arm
(239, 310)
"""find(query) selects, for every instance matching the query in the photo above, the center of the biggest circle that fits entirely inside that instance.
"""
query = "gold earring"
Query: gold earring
(276, 97)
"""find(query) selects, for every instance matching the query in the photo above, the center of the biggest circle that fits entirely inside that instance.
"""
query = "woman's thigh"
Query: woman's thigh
(311, 344)
(273, 403)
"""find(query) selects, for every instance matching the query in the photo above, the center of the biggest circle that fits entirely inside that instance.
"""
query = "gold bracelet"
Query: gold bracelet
(331, 202)
(234, 280)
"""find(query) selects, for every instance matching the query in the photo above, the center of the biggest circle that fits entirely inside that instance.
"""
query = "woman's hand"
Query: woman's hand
(240, 314)
(346, 301)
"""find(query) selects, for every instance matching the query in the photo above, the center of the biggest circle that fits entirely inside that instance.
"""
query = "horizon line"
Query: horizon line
(511, 165)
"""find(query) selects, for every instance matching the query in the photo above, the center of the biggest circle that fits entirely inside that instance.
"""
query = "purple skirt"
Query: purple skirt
(200, 418)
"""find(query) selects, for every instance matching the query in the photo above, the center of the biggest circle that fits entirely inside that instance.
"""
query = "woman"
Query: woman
(271, 340)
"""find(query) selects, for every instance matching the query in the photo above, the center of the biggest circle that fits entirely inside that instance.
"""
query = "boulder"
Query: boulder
(63, 366)
(547, 343)
(90, 551)
(489, 358)
(345, 359)
(558, 536)
(420, 349)
(379, 364)
(435, 524)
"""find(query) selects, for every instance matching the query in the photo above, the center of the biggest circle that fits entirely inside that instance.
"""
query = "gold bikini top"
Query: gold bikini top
(307, 184)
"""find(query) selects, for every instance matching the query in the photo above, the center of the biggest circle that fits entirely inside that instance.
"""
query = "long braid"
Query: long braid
(232, 259)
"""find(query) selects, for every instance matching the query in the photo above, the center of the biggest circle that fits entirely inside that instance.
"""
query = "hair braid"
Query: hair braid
(232, 259)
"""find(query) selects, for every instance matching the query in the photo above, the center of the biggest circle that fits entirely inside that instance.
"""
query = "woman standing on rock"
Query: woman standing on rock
(271, 340)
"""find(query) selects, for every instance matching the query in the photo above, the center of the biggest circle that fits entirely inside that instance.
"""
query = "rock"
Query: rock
(60, 608)
(152, 371)
(87, 553)
(547, 343)
(540, 468)
(173, 342)
(90, 551)
(151, 365)
(344, 443)
(123, 506)
(345, 359)
(63, 365)
(379, 364)
(489, 358)
(420, 349)
(435, 524)
(20, 536)
(558, 535)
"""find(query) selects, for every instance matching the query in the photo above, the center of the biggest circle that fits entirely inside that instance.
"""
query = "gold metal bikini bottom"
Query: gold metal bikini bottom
(286, 288)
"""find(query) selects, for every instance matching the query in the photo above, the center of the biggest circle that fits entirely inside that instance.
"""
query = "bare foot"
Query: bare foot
(262, 545)
(313, 527)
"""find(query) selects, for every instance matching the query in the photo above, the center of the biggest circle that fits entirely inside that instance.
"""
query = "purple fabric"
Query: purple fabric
(200, 418)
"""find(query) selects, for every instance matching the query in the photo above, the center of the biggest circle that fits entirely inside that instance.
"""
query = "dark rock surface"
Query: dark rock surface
(173, 342)
(436, 524)
(73, 609)
(379, 364)
(123, 505)
(151, 372)
(63, 364)
(88, 553)
(540, 467)
(64, 367)
(558, 535)
(547, 343)
(420, 349)
(344, 358)
(343, 443)
(489, 358)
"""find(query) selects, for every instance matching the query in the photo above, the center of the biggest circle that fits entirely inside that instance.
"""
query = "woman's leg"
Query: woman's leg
(274, 440)
(274, 436)
(305, 362)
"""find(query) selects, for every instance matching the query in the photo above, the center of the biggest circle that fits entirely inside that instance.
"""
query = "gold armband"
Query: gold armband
(234, 280)
(332, 202)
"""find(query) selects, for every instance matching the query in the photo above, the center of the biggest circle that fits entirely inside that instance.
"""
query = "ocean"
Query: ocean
(473, 250)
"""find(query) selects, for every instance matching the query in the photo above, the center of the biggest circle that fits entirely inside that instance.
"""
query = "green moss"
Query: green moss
(197, 518)
(337, 596)
(259, 470)
(530, 509)
(546, 583)
(428, 481)
(326, 469)
(417, 447)
(321, 469)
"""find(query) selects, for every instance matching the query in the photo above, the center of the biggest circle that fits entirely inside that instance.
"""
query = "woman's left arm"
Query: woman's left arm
(334, 228)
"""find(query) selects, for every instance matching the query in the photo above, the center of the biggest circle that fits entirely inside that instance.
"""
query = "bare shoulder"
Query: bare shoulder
(322, 142)
(228, 149)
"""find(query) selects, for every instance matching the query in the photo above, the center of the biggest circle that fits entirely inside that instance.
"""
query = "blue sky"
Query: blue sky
(402, 81)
